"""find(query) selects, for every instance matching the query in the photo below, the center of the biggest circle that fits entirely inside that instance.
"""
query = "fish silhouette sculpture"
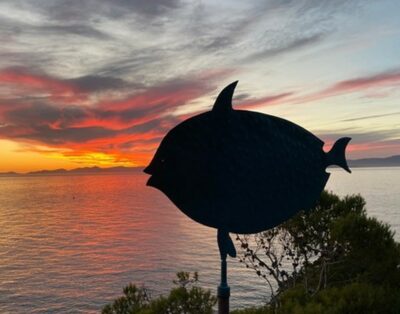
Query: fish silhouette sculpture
(241, 171)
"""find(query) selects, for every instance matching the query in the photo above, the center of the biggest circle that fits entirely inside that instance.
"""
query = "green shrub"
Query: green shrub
(187, 298)
(341, 261)
(352, 298)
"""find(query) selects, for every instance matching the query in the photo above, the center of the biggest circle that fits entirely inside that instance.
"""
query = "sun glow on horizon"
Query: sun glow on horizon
(18, 158)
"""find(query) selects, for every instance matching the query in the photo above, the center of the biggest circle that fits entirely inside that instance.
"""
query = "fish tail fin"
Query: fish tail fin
(225, 244)
(337, 154)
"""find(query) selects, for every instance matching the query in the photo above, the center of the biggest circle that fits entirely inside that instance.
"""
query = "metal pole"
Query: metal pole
(223, 290)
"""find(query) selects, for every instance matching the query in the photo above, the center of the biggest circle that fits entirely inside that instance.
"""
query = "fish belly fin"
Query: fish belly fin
(337, 154)
(225, 244)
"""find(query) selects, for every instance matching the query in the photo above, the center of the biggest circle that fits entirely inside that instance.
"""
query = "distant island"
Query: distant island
(392, 161)
(77, 171)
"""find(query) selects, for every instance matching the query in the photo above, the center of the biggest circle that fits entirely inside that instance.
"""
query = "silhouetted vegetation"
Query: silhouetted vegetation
(332, 259)
(186, 298)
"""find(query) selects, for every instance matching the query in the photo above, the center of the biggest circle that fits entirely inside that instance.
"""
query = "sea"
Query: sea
(70, 243)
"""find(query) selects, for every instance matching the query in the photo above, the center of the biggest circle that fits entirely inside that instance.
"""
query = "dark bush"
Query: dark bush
(186, 298)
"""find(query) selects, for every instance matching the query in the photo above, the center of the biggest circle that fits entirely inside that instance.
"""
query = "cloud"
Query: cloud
(364, 84)
(385, 79)
(64, 30)
(16, 26)
(265, 101)
(375, 116)
(26, 79)
(34, 114)
(151, 41)
(49, 135)
(27, 83)
(48, 125)
(105, 124)
(69, 10)
(359, 136)
(373, 82)
(94, 83)
(50, 35)
(286, 47)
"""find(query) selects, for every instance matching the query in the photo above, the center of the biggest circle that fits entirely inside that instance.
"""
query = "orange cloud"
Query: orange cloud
(109, 131)
(30, 83)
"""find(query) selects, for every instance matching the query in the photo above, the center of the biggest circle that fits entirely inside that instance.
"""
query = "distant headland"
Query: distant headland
(392, 161)
(77, 171)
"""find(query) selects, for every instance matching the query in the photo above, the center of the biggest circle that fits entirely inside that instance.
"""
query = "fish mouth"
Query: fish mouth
(150, 182)
(148, 170)
(154, 181)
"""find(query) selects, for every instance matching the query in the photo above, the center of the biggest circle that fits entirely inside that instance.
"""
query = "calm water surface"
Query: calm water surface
(68, 244)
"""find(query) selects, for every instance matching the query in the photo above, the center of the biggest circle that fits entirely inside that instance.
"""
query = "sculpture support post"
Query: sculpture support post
(223, 289)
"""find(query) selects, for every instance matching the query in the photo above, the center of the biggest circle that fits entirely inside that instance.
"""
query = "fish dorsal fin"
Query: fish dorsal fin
(224, 99)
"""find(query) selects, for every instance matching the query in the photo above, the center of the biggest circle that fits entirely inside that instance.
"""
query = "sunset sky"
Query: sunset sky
(99, 83)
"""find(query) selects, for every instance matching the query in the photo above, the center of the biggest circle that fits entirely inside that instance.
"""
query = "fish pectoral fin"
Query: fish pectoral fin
(225, 244)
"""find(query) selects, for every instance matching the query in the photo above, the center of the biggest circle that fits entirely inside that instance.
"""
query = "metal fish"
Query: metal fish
(241, 171)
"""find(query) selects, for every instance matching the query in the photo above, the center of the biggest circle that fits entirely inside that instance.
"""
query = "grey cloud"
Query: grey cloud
(29, 59)
(360, 137)
(127, 145)
(303, 24)
(38, 114)
(64, 21)
(193, 35)
(56, 136)
(371, 117)
(35, 114)
(94, 83)
(129, 114)
(151, 8)
(310, 7)
(50, 135)
(42, 113)
(330, 7)
(72, 114)
(209, 34)
(243, 96)
(148, 65)
(247, 35)
(17, 27)
(68, 10)
(285, 47)
(77, 30)
(217, 43)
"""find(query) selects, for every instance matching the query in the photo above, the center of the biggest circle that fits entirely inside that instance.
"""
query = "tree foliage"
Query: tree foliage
(325, 258)
(186, 298)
